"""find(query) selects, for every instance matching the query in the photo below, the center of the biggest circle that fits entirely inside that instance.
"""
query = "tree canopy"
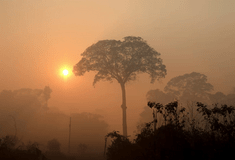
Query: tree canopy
(191, 86)
(121, 60)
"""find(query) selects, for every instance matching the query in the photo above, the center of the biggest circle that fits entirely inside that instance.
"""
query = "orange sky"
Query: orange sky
(39, 37)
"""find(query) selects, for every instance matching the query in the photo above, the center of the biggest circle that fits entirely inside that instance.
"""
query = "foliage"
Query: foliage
(121, 147)
(10, 150)
(170, 112)
(167, 142)
(175, 141)
(121, 60)
(189, 86)
(187, 89)
(221, 119)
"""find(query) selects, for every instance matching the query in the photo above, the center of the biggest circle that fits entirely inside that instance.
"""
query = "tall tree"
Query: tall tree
(121, 60)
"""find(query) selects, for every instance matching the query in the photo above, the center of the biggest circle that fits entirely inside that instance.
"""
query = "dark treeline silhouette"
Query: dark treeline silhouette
(11, 148)
(178, 138)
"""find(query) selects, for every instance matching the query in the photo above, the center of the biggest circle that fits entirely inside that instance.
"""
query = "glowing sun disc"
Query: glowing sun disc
(65, 72)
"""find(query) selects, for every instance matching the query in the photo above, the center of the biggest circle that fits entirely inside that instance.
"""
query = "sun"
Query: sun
(65, 72)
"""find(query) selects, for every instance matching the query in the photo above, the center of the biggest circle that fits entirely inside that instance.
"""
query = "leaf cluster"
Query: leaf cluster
(221, 119)
(170, 112)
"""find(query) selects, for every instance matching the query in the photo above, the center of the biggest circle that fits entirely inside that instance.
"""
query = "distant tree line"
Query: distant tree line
(25, 113)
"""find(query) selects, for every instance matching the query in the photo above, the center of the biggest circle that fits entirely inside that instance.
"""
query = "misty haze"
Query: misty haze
(113, 80)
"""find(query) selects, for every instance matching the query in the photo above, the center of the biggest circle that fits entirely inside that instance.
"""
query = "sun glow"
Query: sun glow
(65, 72)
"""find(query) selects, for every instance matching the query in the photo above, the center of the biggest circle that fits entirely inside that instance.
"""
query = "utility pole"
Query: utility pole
(69, 134)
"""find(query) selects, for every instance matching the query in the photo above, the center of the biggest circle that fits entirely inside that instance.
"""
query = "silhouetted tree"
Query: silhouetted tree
(121, 60)
(191, 86)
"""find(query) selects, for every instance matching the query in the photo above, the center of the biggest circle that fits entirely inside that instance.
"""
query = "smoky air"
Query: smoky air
(113, 80)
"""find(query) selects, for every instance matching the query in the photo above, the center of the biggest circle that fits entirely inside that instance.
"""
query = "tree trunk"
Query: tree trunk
(124, 124)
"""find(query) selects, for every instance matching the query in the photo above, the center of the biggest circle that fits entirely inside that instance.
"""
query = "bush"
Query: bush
(8, 149)
(173, 141)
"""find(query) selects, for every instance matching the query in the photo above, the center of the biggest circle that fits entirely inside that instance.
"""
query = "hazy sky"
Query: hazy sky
(40, 37)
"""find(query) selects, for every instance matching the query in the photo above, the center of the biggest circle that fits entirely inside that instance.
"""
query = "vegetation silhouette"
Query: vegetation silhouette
(187, 89)
(10, 149)
(173, 140)
(122, 61)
